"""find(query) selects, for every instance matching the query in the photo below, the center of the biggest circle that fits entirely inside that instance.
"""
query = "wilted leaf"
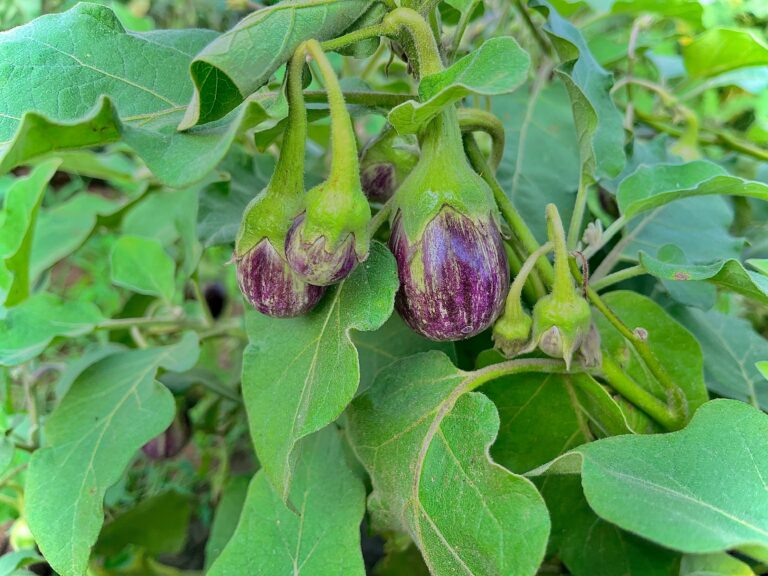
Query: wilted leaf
(424, 440)
(498, 66)
(289, 399)
(320, 538)
(113, 408)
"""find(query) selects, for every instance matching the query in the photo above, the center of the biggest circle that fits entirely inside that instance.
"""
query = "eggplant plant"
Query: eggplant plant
(386, 287)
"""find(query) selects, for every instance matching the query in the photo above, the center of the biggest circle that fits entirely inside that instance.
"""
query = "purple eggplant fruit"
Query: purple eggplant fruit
(171, 442)
(385, 162)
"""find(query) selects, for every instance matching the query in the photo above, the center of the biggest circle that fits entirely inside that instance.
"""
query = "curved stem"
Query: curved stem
(534, 289)
(519, 366)
(516, 290)
(354, 37)
(344, 164)
(427, 51)
(519, 228)
(475, 119)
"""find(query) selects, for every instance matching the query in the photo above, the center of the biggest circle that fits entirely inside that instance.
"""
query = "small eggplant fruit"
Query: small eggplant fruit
(385, 162)
(512, 333)
(446, 239)
(561, 325)
(171, 442)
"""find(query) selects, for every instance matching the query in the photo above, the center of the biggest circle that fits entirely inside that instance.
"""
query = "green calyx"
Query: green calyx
(442, 177)
(271, 213)
(562, 320)
(337, 207)
(512, 331)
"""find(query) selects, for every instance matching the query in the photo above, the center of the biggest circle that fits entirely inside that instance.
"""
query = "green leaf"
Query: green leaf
(699, 490)
(394, 340)
(759, 265)
(227, 515)
(650, 187)
(113, 408)
(424, 440)
(109, 85)
(727, 274)
(27, 329)
(240, 61)
(142, 265)
(321, 538)
(545, 415)
(287, 400)
(540, 133)
(721, 49)
(762, 367)
(675, 348)
(720, 564)
(731, 348)
(157, 525)
(62, 229)
(498, 66)
(590, 546)
(598, 121)
(10, 562)
(17, 227)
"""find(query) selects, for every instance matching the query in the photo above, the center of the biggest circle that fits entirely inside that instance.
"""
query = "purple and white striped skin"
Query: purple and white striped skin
(378, 181)
(270, 286)
(454, 280)
(313, 262)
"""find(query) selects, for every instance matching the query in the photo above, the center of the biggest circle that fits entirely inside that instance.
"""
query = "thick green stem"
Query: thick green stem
(522, 366)
(639, 396)
(517, 224)
(370, 99)
(562, 287)
(288, 177)
(475, 119)
(344, 165)
(354, 37)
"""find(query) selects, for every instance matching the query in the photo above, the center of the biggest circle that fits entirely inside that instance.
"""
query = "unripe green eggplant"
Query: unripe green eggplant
(445, 237)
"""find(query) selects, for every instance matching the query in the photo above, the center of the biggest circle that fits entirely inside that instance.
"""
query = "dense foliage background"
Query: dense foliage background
(120, 313)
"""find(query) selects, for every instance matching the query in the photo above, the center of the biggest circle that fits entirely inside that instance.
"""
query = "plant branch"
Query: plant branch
(354, 37)
(520, 366)
(617, 277)
(541, 40)
(474, 120)
(579, 209)
(371, 99)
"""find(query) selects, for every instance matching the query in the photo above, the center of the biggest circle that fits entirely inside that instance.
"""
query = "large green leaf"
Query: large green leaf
(17, 227)
(240, 61)
(424, 440)
(727, 274)
(320, 538)
(699, 490)
(394, 340)
(498, 66)
(721, 49)
(112, 409)
(675, 348)
(299, 374)
(650, 187)
(540, 134)
(590, 546)
(109, 85)
(142, 265)
(598, 121)
(719, 564)
(27, 329)
(226, 518)
(731, 349)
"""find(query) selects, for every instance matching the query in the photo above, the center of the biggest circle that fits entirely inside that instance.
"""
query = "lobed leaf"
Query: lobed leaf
(650, 187)
(320, 538)
(424, 440)
(78, 79)
(598, 122)
(240, 61)
(727, 274)
(113, 408)
(289, 399)
(498, 66)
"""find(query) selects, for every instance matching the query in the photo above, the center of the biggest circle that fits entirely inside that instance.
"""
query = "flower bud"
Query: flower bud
(385, 162)
(453, 280)
(171, 442)
(512, 333)
(561, 325)
(270, 286)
